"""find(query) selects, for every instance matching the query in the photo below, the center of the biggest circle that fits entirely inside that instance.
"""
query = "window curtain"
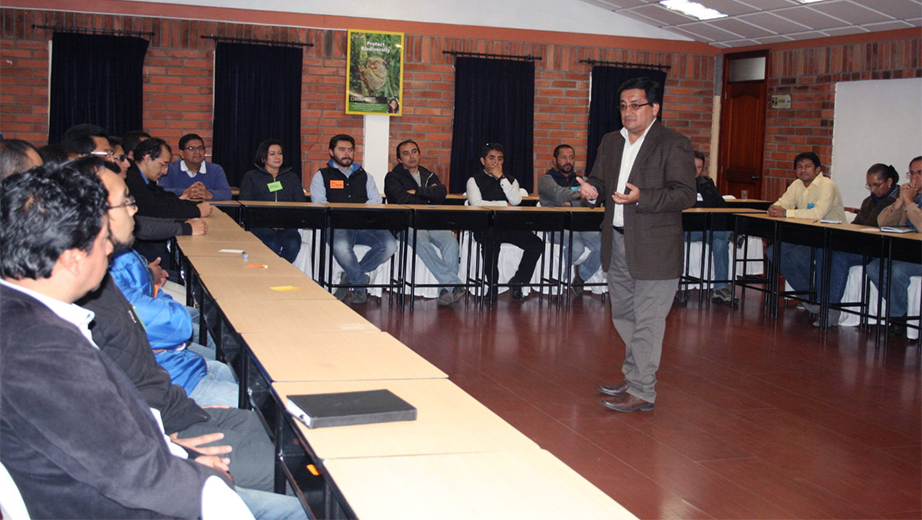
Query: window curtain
(494, 102)
(257, 97)
(96, 79)
(604, 115)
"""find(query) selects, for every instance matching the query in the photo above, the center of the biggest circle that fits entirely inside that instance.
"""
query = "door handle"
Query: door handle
(754, 178)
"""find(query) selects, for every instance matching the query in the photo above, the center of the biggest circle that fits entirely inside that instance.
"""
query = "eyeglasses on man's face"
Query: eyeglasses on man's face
(634, 107)
(129, 202)
(192, 149)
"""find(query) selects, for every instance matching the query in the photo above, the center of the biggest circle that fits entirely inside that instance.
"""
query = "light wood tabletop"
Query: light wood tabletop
(724, 210)
(294, 316)
(213, 246)
(337, 356)
(233, 264)
(295, 286)
(513, 485)
(448, 421)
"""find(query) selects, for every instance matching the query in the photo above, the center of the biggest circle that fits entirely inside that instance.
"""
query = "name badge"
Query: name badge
(274, 186)
(337, 185)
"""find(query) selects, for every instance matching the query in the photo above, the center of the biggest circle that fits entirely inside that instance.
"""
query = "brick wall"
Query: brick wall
(179, 68)
(809, 76)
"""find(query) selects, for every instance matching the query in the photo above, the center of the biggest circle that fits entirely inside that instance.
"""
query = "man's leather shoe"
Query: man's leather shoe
(517, 294)
(616, 389)
(627, 403)
(578, 285)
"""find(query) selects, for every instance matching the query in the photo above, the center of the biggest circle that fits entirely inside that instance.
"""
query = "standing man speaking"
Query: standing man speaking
(645, 173)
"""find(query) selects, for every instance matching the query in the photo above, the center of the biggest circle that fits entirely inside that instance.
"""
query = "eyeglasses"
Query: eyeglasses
(634, 106)
(874, 185)
(194, 148)
(129, 202)
(910, 173)
(121, 158)
(103, 153)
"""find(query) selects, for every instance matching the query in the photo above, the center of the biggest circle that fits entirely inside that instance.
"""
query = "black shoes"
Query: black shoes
(517, 294)
(616, 389)
(578, 285)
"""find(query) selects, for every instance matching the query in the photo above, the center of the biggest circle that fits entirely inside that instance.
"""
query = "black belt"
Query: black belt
(619, 230)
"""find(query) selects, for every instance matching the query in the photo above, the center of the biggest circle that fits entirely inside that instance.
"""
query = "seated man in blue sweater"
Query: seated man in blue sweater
(191, 177)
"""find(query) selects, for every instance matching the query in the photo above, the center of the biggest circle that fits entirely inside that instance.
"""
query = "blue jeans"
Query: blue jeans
(270, 506)
(382, 244)
(429, 245)
(720, 251)
(582, 240)
(897, 298)
(838, 276)
(218, 387)
(795, 265)
(284, 242)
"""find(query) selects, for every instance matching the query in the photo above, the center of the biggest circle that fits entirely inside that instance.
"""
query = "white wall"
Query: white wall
(878, 121)
(571, 16)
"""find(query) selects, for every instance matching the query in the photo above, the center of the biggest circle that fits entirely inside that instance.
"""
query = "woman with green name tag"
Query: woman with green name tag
(271, 181)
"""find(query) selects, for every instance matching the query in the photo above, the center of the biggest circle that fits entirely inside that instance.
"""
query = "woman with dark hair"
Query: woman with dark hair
(883, 183)
(272, 181)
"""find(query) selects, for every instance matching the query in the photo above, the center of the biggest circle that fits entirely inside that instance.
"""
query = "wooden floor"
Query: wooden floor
(754, 418)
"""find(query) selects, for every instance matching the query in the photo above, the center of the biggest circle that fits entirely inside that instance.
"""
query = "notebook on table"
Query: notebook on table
(349, 408)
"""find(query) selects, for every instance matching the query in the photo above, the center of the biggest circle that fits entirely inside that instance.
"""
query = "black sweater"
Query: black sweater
(154, 201)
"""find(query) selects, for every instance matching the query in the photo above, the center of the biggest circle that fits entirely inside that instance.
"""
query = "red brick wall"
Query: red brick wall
(179, 69)
(809, 76)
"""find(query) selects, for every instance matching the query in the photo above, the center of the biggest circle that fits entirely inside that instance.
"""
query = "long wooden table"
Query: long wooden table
(507, 485)
(865, 240)
(285, 335)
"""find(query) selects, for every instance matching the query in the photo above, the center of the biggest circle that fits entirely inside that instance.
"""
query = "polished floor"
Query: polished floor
(754, 418)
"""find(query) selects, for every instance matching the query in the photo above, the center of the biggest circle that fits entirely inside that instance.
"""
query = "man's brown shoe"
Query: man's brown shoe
(616, 389)
(627, 403)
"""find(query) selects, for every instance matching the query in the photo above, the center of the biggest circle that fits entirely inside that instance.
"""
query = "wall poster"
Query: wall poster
(374, 77)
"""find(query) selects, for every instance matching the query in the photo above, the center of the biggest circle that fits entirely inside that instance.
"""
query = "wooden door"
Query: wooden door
(742, 134)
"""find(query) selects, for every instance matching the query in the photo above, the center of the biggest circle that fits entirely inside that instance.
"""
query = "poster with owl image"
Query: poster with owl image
(374, 78)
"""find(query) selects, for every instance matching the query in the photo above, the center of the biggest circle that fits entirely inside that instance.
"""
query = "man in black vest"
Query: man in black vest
(491, 187)
(342, 180)
(410, 183)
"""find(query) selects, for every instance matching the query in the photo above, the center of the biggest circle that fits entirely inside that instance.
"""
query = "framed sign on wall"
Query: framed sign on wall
(374, 74)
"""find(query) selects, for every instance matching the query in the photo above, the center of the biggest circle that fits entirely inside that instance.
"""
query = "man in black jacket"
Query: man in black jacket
(234, 434)
(410, 183)
(152, 158)
(709, 197)
(118, 332)
(77, 437)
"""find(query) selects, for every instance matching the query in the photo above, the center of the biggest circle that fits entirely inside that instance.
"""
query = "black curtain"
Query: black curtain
(96, 79)
(604, 115)
(257, 97)
(494, 102)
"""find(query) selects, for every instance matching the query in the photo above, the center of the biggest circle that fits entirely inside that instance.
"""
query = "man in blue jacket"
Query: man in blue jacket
(169, 330)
